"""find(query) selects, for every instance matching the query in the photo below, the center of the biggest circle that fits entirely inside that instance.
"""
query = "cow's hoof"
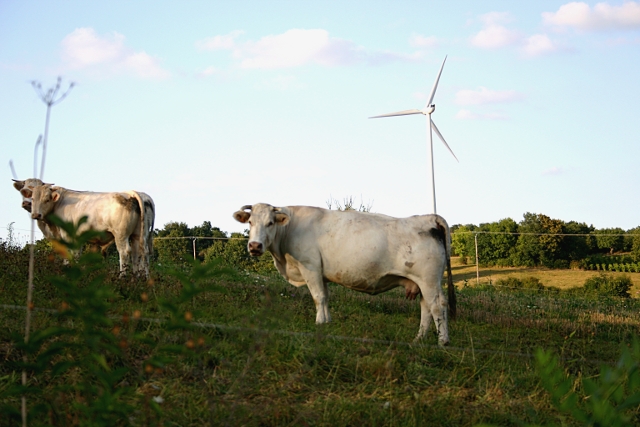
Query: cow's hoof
(443, 343)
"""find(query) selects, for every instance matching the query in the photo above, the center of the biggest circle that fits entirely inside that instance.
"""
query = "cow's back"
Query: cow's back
(359, 249)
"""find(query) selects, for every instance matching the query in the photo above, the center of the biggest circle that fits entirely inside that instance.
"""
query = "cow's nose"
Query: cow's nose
(35, 216)
(255, 248)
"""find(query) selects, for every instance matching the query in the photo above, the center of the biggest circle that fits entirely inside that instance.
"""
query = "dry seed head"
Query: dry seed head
(144, 297)
(148, 368)
(116, 330)
(188, 316)
(190, 344)
(200, 341)
(137, 314)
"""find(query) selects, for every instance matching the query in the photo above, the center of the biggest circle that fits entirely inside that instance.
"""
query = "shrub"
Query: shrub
(233, 253)
(608, 285)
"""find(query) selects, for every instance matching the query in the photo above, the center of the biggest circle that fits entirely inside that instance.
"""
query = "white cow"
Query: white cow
(366, 252)
(127, 218)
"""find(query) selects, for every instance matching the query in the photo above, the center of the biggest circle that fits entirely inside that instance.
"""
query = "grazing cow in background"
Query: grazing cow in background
(127, 218)
(366, 252)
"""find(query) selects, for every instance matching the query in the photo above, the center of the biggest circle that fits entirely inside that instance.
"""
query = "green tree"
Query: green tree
(635, 243)
(171, 244)
(575, 248)
(462, 242)
(610, 240)
(496, 246)
(208, 234)
(539, 242)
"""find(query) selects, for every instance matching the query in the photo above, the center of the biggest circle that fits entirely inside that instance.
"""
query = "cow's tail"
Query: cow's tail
(451, 289)
(150, 219)
(142, 247)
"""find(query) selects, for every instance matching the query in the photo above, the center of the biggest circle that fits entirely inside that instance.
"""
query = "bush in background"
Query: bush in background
(607, 285)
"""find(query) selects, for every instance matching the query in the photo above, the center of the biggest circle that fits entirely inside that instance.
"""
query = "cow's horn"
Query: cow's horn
(245, 208)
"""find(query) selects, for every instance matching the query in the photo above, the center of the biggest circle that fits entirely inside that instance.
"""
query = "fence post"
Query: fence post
(475, 236)
(194, 247)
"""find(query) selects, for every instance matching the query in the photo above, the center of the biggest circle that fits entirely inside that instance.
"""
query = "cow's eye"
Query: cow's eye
(270, 224)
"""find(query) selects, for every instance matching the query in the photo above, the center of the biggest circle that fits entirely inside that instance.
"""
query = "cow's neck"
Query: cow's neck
(277, 247)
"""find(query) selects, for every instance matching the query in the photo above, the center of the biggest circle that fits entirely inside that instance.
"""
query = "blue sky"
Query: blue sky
(208, 106)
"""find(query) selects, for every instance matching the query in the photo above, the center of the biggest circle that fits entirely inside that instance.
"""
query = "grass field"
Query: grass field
(263, 362)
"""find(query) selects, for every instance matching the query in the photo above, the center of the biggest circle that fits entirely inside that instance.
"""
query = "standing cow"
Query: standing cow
(127, 218)
(366, 252)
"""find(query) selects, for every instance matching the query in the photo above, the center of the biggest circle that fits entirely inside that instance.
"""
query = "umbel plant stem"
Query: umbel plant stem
(50, 98)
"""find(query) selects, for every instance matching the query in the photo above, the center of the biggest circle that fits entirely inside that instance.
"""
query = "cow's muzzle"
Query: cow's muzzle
(256, 248)
(36, 216)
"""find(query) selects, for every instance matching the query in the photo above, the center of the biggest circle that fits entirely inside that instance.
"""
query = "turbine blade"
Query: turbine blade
(435, 85)
(435, 128)
(398, 113)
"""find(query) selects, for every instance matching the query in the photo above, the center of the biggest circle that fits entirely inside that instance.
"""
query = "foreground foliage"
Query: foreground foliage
(80, 354)
(611, 399)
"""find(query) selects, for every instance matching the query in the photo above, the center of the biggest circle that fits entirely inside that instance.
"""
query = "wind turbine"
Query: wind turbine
(427, 110)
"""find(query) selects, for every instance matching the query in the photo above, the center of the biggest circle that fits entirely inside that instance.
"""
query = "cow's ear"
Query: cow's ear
(18, 184)
(26, 192)
(55, 196)
(282, 218)
(241, 216)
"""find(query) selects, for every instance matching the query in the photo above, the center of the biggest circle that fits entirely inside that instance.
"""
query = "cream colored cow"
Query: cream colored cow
(127, 218)
(366, 252)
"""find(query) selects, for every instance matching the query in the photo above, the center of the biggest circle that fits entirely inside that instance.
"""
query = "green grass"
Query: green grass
(269, 364)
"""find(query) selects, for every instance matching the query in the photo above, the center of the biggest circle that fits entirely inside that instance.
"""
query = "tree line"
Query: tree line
(539, 240)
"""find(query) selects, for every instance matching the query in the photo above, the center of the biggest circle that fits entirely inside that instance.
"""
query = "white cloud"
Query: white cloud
(538, 44)
(469, 115)
(495, 36)
(554, 171)
(297, 47)
(83, 48)
(423, 42)
(207, 71)
(483, 96)
(603, 16)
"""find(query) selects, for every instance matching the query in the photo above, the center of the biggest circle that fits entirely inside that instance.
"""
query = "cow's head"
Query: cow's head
(263, 220)
(30, 184)
(43, 199)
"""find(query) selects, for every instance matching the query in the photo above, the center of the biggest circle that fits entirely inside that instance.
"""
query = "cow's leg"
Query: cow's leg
(433, 305)
(320, 293)
(136, 253)
(124, 252)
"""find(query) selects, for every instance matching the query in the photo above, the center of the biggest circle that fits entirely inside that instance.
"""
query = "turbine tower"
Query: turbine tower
(431, 126)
